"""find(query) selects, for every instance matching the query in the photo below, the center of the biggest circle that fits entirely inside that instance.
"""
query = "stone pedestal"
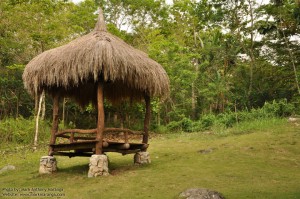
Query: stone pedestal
(48, 165)
(98, 166)
(142, 158)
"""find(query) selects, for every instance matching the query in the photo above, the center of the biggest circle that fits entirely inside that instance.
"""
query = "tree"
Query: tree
(279, 28)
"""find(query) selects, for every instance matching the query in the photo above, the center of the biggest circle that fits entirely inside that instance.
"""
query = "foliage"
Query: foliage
(271, 110)
(279, 109)
(185, 125)
(14, 100)
(21, 131)
(208, 121)
(225, 59)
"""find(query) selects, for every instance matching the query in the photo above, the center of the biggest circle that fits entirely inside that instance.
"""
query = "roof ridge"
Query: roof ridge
(100, 25)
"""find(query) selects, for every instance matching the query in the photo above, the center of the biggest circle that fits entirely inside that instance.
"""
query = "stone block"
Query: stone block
(48, 165)
(142, 158)
(98, 166)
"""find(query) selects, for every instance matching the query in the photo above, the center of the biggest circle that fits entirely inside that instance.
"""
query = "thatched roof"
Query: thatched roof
(75, 68)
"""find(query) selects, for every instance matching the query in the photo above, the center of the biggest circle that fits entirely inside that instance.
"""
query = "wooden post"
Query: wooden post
(54, 128)
(72, 137)
(147, 119)
(100, 123)
(126, 137)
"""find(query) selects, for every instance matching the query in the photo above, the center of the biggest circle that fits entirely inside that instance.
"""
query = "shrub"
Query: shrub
(197, 126)
(228, 119)
(285, 109)
(174, 126)
(160, 129)
(22, 131)
(280, 109)
(187, 125)
(207, 121)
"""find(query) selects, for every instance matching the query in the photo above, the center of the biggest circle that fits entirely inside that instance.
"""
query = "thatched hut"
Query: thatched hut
(90, 68)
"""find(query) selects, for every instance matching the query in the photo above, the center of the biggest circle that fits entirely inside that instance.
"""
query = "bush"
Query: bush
(21, 131)
(174, 126)
(186, 125)
(207, 121)
(275, 109)
(197, 126)
(279, 109)
(160, 129)
(296, 104)
(227, 119)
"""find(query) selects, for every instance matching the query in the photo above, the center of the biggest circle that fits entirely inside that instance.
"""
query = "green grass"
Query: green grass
(263, 163)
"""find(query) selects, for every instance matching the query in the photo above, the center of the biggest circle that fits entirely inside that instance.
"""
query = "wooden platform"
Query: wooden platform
(87, 148)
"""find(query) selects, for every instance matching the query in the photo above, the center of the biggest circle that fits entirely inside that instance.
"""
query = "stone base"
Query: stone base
(98, 166)
(142, 158)
(48, 165)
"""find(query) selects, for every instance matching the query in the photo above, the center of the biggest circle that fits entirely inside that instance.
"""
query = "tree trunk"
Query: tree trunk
(293, 62)
(108, 119)
(158, 115)
(235, 111)
(252, 58)
(36, 103)
(63, 111)
(147, 119)
(17, 111)
(194, 100)
(195, 62)
(115, 119)
(37, 123)
(43, 106)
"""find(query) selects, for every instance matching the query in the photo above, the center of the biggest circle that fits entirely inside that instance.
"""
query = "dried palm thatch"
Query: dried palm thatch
(74, 69)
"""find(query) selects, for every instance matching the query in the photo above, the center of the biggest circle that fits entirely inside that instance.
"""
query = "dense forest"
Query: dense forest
(223, 57)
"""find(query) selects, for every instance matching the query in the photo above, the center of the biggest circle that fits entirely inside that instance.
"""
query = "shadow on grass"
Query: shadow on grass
(114, 169)
(76, 169)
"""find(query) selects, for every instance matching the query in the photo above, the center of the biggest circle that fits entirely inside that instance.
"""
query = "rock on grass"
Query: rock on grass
(200, 193)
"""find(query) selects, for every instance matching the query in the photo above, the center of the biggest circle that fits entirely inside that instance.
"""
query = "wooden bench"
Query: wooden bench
(85, 144)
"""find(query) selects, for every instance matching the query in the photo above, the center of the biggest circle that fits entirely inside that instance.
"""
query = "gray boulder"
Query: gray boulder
(200, 193)
(7, 168)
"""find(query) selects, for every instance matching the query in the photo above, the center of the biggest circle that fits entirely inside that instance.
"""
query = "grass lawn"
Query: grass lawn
(264, 163)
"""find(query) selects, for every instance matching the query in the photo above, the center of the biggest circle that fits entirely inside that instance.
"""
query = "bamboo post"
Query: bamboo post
(147, 119)
(54, 122)
(100, 123)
